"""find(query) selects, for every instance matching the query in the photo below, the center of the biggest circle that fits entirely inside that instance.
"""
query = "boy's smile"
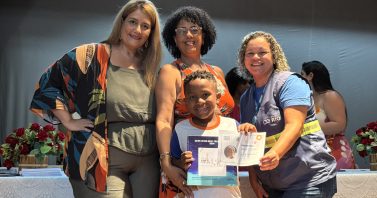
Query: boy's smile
(201, 101)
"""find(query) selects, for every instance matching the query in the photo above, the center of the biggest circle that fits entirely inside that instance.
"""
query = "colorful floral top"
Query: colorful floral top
(226, 102)
(77, 83)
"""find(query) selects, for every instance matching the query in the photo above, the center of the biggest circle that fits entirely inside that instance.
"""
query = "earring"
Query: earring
(146, 44)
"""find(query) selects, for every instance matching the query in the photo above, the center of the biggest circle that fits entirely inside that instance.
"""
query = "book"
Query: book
(207, 169)
(4, 172)
(42, 172)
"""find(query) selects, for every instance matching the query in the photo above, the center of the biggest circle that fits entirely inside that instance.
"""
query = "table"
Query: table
(36, 187)
(357, 183)
(351, 183)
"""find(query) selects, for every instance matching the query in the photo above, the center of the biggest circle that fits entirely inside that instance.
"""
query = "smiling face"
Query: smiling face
(188, 41)
(201, 100)
(136, 28)
(258, 58)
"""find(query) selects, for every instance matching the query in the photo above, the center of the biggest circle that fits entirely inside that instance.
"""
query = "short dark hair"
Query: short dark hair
(200, 74)
(321, 76)
(196, 16)
(234, 78)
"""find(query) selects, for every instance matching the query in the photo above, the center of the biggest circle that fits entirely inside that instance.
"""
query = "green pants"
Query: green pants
(130, 176)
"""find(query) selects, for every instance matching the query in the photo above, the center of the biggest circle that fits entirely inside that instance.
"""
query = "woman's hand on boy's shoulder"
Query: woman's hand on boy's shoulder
(247, 128)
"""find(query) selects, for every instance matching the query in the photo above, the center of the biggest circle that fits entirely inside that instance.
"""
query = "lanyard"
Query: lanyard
(258, 103)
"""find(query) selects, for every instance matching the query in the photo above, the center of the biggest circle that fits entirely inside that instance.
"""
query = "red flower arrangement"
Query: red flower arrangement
(365, 139)
(36, 140)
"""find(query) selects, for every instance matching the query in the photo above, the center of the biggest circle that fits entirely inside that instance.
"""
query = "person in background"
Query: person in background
(237, 84)
(297, 161)
(91, 91)
(201, 98)
(188, 34)
(331, 112)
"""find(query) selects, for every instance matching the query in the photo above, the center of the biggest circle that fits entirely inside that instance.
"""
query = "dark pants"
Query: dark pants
(324, 190)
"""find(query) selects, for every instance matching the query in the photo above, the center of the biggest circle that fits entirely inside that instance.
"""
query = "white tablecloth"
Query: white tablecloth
(35, 187)
(357, 184)
(350, 184)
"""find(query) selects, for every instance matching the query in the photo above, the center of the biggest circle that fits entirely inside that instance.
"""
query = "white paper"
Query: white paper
(208, 164)
(241, 149)
(228, 143)
(251, 148)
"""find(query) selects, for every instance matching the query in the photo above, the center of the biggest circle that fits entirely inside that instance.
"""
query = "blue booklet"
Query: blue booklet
(207, 169)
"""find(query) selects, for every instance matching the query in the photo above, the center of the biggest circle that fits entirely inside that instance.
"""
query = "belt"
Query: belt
(310, 127)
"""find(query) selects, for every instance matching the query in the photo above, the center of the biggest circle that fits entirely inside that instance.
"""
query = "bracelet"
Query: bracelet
(165, 154)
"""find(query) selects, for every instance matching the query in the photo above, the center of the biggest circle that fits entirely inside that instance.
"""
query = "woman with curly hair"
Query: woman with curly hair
(297, 162)
(188, 34)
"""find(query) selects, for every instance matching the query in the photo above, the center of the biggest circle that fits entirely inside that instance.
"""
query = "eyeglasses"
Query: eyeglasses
(194, 30)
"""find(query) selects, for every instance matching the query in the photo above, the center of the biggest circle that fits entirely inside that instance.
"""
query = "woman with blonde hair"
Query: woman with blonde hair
(91, 91)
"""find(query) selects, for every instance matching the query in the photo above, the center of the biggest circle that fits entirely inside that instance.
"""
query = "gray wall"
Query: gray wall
(341, 34)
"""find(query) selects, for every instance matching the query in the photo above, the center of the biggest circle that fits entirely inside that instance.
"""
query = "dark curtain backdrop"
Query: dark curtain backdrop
(340, 33)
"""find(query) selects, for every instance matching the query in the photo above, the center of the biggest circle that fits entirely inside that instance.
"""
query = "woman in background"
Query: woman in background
(330, 111)
(237, 84)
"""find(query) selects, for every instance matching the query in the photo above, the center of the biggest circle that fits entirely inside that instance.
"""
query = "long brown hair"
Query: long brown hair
(151, 52)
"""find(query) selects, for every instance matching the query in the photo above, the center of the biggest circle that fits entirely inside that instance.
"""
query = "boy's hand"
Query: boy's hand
(246, 128)
(186, 160)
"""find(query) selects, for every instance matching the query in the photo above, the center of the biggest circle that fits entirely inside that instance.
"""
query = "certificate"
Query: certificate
(251, 148)
(241, 149)
(207, 169)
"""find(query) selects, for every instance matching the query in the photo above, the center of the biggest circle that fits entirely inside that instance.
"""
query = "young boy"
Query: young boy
(200, 97)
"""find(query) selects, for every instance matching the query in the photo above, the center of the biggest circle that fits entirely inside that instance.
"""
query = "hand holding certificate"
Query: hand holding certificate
(217, 158)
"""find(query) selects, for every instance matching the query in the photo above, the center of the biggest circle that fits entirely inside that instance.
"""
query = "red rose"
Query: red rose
(363, 153)
(24, 149)
(42, 135)
(366, 141)
(8, 163)
(11, 141)
(49, 127)
(20, 132)
(61, 136)
(371, 125)
(35, 127)
(359, 131)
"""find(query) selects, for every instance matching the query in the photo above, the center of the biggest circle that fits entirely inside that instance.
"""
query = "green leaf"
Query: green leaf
(45, 149)
(360, 147)
(35, 152)
(5, 145)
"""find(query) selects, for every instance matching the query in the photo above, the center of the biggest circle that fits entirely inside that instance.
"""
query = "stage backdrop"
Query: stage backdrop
(341, 33)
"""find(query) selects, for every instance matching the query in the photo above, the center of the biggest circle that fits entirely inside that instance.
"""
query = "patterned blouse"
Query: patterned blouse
(77, 83)
(226, 102)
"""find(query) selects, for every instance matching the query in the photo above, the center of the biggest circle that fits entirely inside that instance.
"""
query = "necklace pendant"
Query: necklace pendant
(254, 120)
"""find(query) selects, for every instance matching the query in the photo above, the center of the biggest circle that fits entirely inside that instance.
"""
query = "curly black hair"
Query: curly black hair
(200, 74)
(194, 15)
